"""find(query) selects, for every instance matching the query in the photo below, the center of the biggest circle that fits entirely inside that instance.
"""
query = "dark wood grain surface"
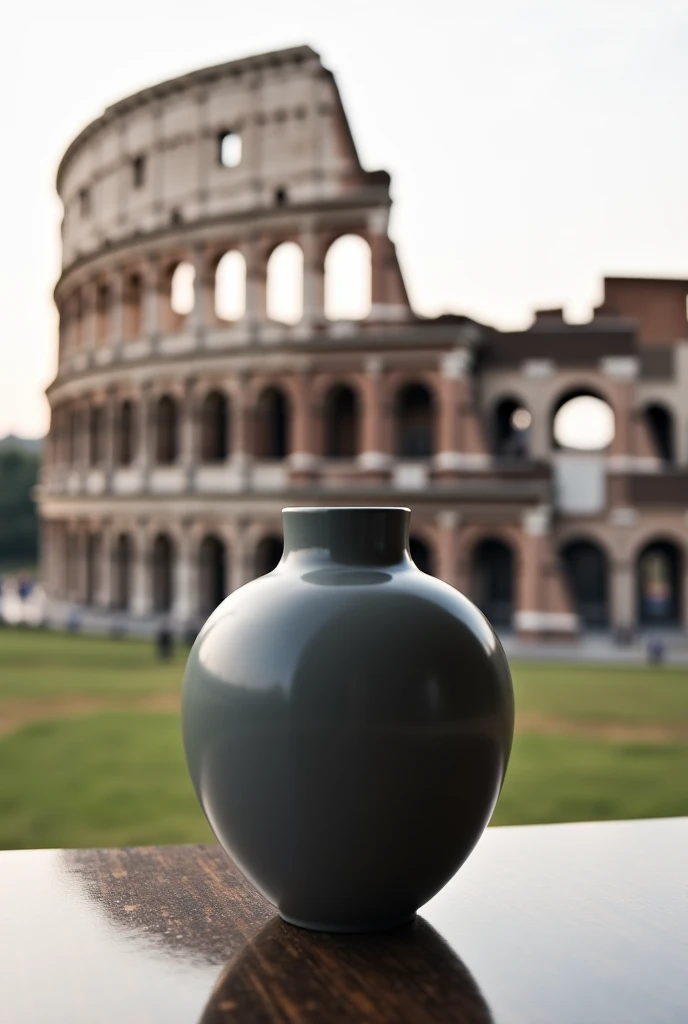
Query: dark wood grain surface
(567, 923)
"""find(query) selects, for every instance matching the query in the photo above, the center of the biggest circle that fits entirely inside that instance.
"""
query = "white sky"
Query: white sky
(534, 146)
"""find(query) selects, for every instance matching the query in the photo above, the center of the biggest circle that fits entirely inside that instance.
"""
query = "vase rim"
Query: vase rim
(346, 508)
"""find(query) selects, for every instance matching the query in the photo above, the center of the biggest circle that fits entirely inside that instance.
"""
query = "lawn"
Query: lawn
(90, 749)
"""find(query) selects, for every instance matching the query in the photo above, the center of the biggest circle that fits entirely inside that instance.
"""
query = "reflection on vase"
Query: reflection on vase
(286, 973)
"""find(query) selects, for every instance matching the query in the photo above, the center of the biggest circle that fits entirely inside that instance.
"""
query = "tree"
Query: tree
(18, 520)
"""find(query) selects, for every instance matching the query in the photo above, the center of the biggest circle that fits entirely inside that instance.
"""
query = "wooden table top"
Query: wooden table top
(560, 923)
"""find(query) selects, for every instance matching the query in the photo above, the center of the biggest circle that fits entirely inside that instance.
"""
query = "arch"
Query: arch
(272, 426)
(348, 279)
(422, 554)
(126, 433)
(659, 577)
(133, 306)
(414, 417)
(96, 435)
(166, 431)
(122, 559)
(163, 568)
(268, 554)
(212, 571)
(586, 568)
(230, 286)
(214, 427)
(284, 284)
(182, 289)
(582, 420)
(492, 580)
(341, 423)
(511, 421)
(92, 566)
(660, 421)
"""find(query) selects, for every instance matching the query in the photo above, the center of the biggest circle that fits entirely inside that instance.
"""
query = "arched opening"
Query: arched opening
(422, 555)
(659, 573)
(415, 422)
(96, 435)
(511, 425)
(166, 431)
(284, 285)
(182, 289)
(492, 581)
(587, 573)
(272, 425)
(230, 286)
(212, 574)
(133, 307)
(163, 566)
(92, 566)
(126, 439)
(268, 554)
(122, 566)
(582, 421)
(348, 279)
(341, 422)
(214, 427)
(661, 425)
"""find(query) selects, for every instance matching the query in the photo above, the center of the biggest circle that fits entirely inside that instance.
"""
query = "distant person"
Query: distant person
(656, 651)
(165, 642)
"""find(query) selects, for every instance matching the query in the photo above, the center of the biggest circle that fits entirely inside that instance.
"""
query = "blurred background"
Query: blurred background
(342, 256)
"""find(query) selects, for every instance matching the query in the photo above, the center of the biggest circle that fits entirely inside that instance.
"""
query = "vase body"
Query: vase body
(347, 723)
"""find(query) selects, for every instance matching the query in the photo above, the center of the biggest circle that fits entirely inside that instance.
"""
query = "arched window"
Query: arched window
(167, 431)
(268, 554)
(348, 279)
(582, 421)
(659, 572)
(511, 429)
(492, 580)
(133, 307)
(92, 567)
(284, 295)
(422, 555)
(212, 574)
(214, 427)
(96, 432)
(126, 438)
(122, 564)
(163, 566)
(415, 422)
(272, 424)
(341, 422)
(230, 286)
(587, 573)
(182, 297)
(661, 423)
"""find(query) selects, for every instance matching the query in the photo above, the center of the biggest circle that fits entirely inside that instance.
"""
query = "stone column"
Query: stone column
(198, 317)
(313, 278)
(185, 607)
(82, 569)
(374, 459)
(88, 316)
(529, 614)
(145, 432)
(256, 280)
(241, 556)
(116, 319)
(242, 454)
(110, 428)
(189, 431)
(451, 452)
(301, 459)
(151, 299)
(623, 595)
(447, 522)
(104, 595)
(141, 596)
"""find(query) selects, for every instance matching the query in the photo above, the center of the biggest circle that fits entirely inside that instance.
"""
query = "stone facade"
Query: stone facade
(177, 434)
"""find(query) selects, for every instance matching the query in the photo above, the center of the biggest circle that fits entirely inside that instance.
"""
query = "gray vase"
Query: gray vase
(347, 723)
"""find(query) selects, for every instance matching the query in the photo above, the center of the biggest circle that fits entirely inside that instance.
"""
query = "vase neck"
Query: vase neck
(349, 536)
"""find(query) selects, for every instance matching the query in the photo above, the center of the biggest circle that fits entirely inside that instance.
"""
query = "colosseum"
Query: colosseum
(209, 374)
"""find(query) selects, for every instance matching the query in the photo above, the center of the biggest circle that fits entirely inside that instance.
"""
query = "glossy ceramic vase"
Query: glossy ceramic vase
(347, 723)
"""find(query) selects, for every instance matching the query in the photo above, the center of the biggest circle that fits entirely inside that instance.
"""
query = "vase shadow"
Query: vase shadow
(288, 973)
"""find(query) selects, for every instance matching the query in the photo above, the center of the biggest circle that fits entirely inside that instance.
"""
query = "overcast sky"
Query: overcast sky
(533, 146)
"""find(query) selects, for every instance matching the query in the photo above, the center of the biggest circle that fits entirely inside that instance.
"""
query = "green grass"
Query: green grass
(117, 777)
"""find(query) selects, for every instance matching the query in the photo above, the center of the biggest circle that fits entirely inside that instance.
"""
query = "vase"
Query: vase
(347, 722)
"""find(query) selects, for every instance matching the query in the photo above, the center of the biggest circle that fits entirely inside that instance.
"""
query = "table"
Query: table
(559, 923)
